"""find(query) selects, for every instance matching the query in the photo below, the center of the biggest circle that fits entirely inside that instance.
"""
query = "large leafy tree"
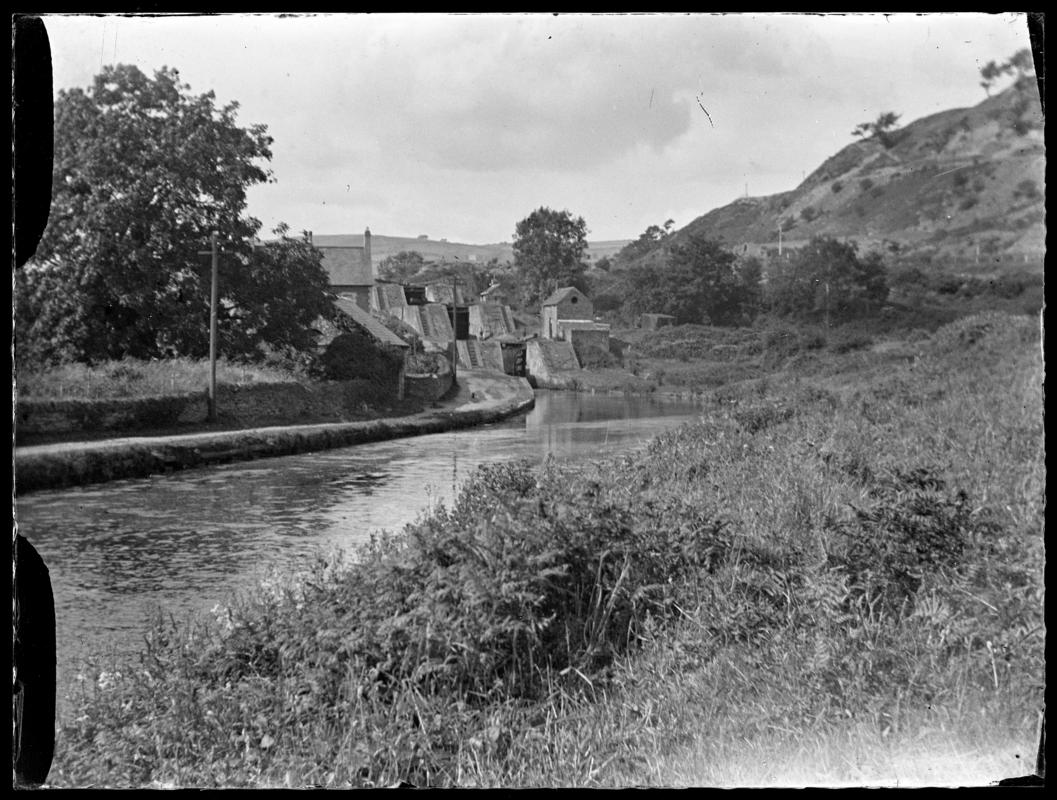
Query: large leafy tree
(827, 279)
(144, 171)
(702, 283)
(548, 253)
(274, 298)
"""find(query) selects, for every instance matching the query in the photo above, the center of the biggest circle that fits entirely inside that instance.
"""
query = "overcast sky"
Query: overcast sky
(458, 126)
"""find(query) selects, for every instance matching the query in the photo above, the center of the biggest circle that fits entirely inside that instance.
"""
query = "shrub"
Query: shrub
(866, 184)
(354, 355)
(836, 186)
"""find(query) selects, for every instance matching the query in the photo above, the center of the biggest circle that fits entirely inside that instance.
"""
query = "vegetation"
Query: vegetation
(548, 253)
(132, 377)
(401, 267)
(826, 278)
(648, 241)
(144, 171)
(834, 567)
(700, 282)
(882, 128)
(1021, 62)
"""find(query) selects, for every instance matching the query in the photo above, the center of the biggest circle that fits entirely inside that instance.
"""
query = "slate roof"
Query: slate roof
(346, 266)
(368, 322)
(558, 295)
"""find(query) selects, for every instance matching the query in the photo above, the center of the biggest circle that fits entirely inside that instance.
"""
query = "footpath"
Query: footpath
(479, 397)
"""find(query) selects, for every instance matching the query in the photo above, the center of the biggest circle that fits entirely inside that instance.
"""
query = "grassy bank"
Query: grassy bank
(132, 377)
(838, 568)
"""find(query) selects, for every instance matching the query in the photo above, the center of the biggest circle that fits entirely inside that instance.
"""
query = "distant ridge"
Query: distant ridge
(433, 250)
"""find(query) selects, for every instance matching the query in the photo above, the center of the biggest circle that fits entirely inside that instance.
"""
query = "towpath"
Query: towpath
(479, 397)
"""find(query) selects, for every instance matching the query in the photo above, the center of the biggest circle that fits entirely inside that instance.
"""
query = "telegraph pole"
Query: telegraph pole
(213, 333)
(212, 251)
(454, 327)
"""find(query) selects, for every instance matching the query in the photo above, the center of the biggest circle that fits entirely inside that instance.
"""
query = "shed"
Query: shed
(652, 322)
(564, 304)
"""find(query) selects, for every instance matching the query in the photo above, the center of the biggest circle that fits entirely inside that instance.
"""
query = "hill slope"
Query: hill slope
(432, 250)
(964, 184)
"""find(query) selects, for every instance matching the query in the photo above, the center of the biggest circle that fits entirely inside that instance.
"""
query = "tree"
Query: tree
(1020, 62)
(701, 283)
(144, 171)
(402, 267)
(827, 279)
(648, 241)
(273, 298)
(548, 253)
(881, 128)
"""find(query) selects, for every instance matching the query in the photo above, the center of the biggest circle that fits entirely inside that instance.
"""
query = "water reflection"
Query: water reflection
(189, 540)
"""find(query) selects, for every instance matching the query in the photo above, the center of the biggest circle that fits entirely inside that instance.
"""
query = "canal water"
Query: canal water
(187, 541)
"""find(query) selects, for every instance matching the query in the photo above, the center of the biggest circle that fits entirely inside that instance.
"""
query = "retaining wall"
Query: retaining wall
(250, 404)
(54, 466)
(429, 388)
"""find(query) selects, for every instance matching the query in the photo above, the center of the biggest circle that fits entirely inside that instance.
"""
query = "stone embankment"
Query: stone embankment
(479, 397)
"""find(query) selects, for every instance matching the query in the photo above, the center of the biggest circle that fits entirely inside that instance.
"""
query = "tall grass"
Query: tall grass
(131, 377)
(822, 577)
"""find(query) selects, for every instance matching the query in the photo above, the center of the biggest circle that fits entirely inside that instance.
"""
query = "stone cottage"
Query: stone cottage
(568, 303)
(351, 271)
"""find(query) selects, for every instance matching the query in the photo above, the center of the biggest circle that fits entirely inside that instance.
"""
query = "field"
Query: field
(834, 577)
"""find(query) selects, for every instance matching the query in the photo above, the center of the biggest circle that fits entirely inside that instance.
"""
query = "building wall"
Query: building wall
(431, 387)
(549, 323)
(550, 364)
(576, 306)
(588, 337)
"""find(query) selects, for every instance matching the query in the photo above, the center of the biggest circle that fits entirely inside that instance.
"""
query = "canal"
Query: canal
(187, 541)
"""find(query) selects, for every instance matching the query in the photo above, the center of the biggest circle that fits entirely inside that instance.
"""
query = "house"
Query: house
(568, 303)
(350, 270)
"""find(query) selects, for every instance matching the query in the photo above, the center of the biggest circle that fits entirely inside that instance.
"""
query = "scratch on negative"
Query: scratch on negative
(706, 113)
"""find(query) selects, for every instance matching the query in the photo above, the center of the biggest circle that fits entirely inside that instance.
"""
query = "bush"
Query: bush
(866, 184)
(355, 355)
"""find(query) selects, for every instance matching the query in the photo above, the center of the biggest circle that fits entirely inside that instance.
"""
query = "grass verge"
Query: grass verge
(822, 577)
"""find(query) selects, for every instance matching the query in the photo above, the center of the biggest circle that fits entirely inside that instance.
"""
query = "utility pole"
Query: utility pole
(213, 334)
(454, 328)
(212, 251)
(779, 238)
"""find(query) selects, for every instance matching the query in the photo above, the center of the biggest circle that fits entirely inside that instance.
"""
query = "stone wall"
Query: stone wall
(431, 387)
(254, 404)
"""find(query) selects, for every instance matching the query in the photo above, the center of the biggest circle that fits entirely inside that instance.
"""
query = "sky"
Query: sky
(458, 126)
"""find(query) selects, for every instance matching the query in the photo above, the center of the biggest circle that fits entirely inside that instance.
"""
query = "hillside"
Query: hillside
(434, 250)
(962, 185)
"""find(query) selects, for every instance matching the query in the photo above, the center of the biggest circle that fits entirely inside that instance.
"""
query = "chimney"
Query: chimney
(367, 251)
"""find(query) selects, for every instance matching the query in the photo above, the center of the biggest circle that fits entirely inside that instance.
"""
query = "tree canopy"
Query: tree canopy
(548, 253)
(1020, 62)
(882, 128)
(648, 241)
(701, 283)
(144, 171)
(826, 279)
(401, 267)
